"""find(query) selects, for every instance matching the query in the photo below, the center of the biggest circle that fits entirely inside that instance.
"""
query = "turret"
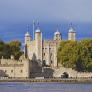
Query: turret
(27, 43)
(38, 43)
(27, 38)
(57, 35)
(72, 34)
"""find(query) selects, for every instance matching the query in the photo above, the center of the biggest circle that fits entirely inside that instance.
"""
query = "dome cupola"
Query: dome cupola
(37, 30)
(71, 29)
(27, 34)
(57, 35)
(57, 32)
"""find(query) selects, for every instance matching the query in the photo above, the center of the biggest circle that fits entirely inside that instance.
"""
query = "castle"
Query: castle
(39, 59)
(45, 51)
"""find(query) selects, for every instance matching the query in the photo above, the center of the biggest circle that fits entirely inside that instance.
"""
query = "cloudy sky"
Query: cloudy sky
(46, 11)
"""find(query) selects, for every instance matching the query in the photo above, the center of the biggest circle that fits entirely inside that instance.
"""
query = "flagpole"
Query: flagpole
(37, 24)
(27, 28)
(33, 29)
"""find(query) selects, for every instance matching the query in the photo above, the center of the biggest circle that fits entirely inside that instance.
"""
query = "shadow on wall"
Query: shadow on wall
(38, 71)
(48, 73)
(3, 74)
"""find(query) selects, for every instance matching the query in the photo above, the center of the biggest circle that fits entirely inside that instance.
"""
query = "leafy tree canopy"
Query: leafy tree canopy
(76, 54)
(10, 48)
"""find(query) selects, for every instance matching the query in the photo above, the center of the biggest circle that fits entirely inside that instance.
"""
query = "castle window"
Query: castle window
(11, 71)
(27, 39)
(44, 54)
(21, 71)
(5, 71)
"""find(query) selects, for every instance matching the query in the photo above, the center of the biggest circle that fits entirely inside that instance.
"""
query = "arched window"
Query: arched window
(21, 71)
(44, 54)
(11, 71)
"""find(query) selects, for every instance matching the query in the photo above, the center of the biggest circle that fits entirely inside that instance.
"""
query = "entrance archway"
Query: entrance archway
(65, 75)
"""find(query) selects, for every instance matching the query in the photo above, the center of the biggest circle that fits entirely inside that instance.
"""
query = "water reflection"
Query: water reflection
(44, 87)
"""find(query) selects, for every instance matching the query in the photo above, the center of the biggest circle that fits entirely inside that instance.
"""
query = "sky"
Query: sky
(16, 14)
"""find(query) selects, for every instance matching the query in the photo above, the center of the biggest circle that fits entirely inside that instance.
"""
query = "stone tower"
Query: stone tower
(57, 35)
(71, 34)
(27, 38)
(27, 44)
(38, 45)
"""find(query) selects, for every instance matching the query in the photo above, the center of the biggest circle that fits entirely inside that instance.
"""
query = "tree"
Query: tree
(6, 51)
(15, 49)
(76, 54)
(67, 54)
(1, 48)
(86, 53)
(11, 48)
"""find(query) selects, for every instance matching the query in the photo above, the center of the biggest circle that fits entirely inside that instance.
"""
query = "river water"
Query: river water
(44, 87)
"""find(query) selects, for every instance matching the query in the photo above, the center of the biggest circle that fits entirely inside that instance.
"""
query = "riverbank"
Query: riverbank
(68, 80)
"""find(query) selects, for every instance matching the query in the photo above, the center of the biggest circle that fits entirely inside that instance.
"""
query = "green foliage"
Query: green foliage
(11, 48)
(15, 49)
(76, 54)
(1, 48)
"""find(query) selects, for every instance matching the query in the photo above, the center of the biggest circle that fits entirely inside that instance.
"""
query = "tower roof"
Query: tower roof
(27, 34)
(71, 29)
(57, 32)
(37, 30)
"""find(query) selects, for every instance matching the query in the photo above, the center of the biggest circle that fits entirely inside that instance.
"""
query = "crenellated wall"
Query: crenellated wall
(13, 68)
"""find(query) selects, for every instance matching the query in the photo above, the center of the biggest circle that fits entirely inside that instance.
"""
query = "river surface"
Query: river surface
(44, 87)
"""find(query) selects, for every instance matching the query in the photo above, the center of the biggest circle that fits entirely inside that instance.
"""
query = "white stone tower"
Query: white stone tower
(38, 45)
(27, 38)
(27, 44)
(71, 34)
(57, 35)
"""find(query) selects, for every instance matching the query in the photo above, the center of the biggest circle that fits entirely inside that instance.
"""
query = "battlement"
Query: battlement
(11, 63)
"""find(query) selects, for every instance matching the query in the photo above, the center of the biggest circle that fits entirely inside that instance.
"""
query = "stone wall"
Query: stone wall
(13, 68)
(72, 73)
(84, 74)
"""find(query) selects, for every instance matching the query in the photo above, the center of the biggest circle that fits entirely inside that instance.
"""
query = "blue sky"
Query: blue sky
(16, 14)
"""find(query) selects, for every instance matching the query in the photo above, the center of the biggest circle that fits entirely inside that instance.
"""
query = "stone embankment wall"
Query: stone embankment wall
(72, 73)
(84, 74)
